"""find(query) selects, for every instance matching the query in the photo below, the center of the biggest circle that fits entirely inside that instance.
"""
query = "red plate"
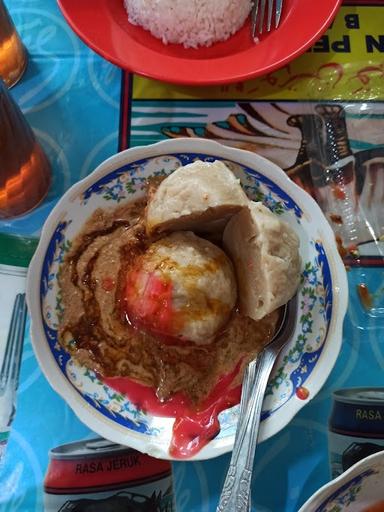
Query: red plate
(103, 25)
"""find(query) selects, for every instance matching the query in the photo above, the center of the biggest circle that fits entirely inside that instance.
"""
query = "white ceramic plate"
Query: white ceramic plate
(301, 369)
(361, 486)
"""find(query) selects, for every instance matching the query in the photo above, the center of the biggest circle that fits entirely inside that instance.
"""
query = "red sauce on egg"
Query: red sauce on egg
(152, 309)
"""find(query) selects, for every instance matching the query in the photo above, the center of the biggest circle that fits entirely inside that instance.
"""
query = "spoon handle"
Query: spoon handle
(235, 496)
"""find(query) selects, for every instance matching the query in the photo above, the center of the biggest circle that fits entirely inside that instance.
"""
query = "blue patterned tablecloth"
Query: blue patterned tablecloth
(71, 98)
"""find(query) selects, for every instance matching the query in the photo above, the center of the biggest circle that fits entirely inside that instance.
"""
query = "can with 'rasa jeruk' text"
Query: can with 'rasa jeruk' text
(356, 426)
(99, 476)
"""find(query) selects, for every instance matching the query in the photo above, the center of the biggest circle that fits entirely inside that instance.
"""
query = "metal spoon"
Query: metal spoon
(236, 493)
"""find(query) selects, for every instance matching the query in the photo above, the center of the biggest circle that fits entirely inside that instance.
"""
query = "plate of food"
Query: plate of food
(197, 42)
(359, 489)
(161, 275)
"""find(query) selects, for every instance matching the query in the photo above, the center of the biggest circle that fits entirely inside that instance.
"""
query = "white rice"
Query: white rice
(192, 23)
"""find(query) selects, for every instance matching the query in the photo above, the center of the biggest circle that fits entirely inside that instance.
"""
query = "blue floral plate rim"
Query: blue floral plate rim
(307, 207)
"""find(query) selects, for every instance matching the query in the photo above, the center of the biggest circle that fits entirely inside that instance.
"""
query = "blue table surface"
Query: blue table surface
(71, 98)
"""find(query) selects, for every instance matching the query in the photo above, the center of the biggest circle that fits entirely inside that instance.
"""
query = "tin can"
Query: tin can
(99, 476)
(356, 427)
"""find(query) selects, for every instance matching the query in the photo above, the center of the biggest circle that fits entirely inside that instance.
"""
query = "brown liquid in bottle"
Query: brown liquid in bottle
(24, 169)
(13, 58)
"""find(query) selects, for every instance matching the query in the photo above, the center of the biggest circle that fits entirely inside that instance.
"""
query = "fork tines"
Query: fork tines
(258, 21)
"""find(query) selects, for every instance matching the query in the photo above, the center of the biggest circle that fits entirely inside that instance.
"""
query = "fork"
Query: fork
(258, 15)
(10, 368)
(235, 496)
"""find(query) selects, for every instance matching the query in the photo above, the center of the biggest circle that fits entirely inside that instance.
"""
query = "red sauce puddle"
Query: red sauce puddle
(193, 427)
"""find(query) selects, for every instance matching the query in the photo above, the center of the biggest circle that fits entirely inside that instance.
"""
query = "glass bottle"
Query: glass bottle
(338, 198)
(24, 168)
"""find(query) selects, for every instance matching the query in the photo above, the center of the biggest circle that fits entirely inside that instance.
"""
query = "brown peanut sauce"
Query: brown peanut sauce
(96, 331)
